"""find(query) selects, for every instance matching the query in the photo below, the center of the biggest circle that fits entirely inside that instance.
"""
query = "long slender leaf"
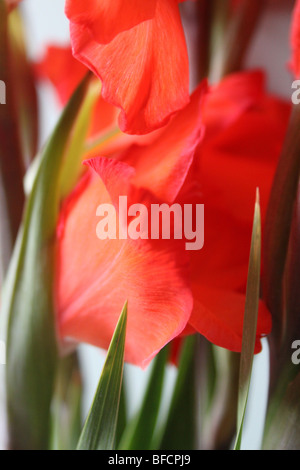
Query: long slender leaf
(139, 434)
(99, 431)
(283, 412)
(179, 431)
(283, 432)
(123, 412)
(250, 321)
(217, 391)
(237, 38)
(27, 303)
(66, 404)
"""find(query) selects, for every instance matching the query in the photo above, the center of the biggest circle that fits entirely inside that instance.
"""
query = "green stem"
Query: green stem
(11, 165)
(238, 36)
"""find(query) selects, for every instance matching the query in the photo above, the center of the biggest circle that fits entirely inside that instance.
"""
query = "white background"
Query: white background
(45, 23)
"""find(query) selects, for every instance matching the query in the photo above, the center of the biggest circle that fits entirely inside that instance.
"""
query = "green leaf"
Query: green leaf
(283, 413)
(27, 303)
(99, 431)
(123, 412)
(179, 431)
(66, 404)
(283, 433)
(76, 148)
(238, 33)
(250, 321)
(217, 391)
(139, 434)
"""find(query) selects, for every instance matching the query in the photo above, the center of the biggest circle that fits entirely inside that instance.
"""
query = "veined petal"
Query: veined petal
(144, 70)
(95, 277)
(105, 19)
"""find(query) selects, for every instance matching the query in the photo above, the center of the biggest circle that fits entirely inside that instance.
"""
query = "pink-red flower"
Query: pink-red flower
(137, 48)
(152, 274)
(215, 151)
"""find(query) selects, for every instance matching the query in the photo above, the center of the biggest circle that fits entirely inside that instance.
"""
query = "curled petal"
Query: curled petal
(144, 70)
(162, 166)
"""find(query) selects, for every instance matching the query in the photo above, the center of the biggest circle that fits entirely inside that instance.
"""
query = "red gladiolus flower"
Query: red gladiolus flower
(295, 40)
(138, 51)
(153, 275)
(172, 291)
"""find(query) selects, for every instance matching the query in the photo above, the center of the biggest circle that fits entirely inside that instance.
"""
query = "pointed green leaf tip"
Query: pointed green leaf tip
(100, 427)
(250, 321)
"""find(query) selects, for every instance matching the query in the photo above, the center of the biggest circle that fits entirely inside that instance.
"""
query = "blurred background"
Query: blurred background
(46, 23)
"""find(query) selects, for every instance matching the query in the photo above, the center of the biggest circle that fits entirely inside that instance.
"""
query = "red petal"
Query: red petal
(243, 157)
(94, 278)
(230, 98)
(232, 163)
(107, 18)
(59, 66)
(219, 315)
(163, 165)
(148, 81)
(65, 73)
(295, 40)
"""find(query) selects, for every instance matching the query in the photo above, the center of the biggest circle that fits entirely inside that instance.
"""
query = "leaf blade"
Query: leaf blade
(250, 322)
(27, 303)
(180, 428)
(100, 426)
(139, 433)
